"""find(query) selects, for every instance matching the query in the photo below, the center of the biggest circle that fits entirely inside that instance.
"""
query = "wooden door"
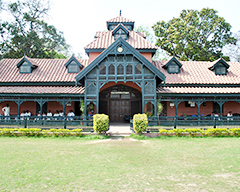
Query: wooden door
(118, 109)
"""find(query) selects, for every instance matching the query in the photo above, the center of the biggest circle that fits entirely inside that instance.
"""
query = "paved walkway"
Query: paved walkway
(120, 129)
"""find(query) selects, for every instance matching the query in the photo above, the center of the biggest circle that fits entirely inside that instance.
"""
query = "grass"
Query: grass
(78, 164)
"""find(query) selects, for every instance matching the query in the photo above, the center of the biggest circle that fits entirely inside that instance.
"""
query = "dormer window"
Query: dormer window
(173, 68)
(173, 65)
(220, 67)
(73, 67)
(26, 65)
(25, 68)
(220, 70)
(120, 31)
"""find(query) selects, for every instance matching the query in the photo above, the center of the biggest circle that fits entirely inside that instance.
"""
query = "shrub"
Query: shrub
(235, 131)
(100, 123)
(218, 132)
(30, 132)
(140, 123)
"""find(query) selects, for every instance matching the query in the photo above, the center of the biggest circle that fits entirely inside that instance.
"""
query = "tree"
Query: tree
(233, 51)
(160, 53)
(28, 34)
(198, 36)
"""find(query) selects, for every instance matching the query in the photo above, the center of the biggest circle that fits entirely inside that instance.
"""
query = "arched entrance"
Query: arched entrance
(120, 101)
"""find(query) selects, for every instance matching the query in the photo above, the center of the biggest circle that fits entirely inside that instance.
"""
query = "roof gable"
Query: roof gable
(218, 62)
(126, 48)
(73, 58)
(28, 60)
(173, 59)
(120, 29)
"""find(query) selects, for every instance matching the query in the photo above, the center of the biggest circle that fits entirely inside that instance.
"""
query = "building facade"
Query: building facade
(120, 79)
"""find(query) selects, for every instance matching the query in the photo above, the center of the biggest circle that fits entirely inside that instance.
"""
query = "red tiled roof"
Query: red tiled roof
(105, 39)
(120, 19)
(49, 70)
(213, 90)
(43, 89)
(197, 72)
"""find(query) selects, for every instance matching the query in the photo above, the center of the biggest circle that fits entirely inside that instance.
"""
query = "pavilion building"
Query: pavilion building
(120, 78)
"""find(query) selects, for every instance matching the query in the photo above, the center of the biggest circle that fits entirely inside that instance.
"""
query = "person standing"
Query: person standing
(6, 111)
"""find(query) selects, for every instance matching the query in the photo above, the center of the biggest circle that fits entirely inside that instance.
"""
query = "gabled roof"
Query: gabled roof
(127, 50)
(197, 72)
(28, 60)
(49, 70)
(217, 62)
(173, 59)
(120, 26)
(120, 19)
(73, 58)
(105, 39)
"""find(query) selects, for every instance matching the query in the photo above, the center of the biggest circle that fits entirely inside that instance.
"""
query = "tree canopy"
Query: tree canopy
(26, 33)
(195, 35)
(232, 50)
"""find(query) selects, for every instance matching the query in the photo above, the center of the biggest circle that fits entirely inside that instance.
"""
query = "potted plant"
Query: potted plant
(82, 107)
(159, 110)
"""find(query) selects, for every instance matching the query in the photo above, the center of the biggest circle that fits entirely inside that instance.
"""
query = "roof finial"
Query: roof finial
(120, 12)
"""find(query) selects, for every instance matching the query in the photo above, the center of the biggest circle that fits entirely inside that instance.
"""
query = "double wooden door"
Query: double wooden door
(118, 109)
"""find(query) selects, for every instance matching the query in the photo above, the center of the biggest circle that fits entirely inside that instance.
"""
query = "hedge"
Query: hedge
(35, 132)
(140, 123)
(100, 123)
(213, 132)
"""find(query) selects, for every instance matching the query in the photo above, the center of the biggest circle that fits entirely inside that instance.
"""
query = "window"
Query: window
(111, 69)
(173, 68)
(102, 69)
(220, 70)
(25, 68)
(129, 69)
(138, 69)
(73, 67)
(120, 70)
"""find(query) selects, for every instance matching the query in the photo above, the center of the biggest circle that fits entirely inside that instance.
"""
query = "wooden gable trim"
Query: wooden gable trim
(120, 26)
(217, 62)
(112, 49)
(73, 58)
(171, 60)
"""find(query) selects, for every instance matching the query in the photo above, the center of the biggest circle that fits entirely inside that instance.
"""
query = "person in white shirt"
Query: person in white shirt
(22, 115)
(49, 114)
(70, 114)
(229, 115)
(28, 114)
(6, 111)
(56, 114)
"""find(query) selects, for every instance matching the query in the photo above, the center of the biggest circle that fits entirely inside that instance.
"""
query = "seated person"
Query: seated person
(22, 115)
(28, 114)
(70, 114)
(56, 114)
(49, 114)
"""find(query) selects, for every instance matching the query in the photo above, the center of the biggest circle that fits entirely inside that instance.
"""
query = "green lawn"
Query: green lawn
(77, 164)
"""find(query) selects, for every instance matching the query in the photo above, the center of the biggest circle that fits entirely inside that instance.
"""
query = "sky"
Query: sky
(80, 19)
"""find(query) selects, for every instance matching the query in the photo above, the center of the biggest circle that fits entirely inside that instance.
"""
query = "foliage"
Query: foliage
(232, 50)
(28, 34)
(138, 137)
(93, 137)
(140, 123)
(212, 132)
(160, 53)
(33, 132)
(194, 35)
(82, 106)
(100, 123)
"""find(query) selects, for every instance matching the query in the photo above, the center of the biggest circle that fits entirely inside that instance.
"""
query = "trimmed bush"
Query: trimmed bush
(33, 132)
(100, 123)
(140, 123)
(212, 132)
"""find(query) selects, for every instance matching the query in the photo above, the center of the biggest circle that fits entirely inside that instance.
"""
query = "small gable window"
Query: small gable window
(173, 68)
(25, 68)
(73, 67)
(220, 70)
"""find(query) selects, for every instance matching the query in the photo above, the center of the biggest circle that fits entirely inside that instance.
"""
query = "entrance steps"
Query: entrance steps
(119, 129)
